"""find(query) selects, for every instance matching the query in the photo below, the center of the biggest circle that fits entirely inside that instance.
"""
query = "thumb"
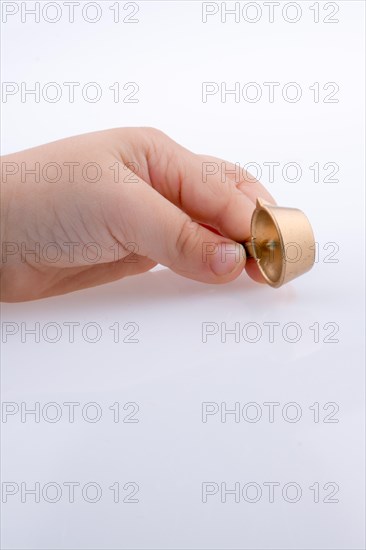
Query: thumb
(170, 237)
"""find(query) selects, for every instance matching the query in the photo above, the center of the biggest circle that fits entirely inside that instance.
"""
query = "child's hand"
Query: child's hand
(93, 208)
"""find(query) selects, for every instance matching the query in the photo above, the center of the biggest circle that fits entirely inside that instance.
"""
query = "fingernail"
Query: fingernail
(227, 258)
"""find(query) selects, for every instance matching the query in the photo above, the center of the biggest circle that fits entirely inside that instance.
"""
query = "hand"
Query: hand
(105, 205)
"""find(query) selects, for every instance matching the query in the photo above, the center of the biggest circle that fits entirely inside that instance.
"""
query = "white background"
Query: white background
(169, 372)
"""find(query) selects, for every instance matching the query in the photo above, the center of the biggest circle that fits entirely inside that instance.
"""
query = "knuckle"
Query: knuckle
(188, 239)
(154, 133)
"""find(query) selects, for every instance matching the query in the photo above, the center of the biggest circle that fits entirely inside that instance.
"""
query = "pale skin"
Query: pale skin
(152, 202)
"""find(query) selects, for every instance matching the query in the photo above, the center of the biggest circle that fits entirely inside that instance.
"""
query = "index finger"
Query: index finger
(210, 190)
